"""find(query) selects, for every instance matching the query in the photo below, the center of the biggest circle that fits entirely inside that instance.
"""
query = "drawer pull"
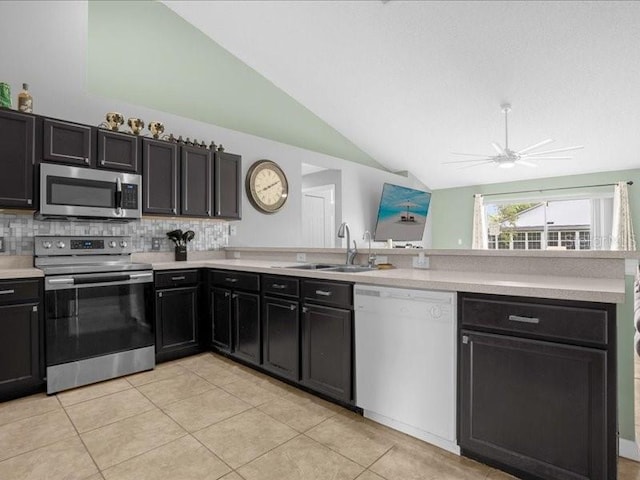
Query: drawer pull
(517, 318)
(175, 279)
(292, 307)
(7, 292)
(232, 280)
(278, 286)
(323, 293)
(235, 295)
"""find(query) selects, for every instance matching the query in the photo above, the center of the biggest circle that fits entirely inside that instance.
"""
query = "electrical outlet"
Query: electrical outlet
(301, 257)
(236, 254)
(233, 230)
(421, 261)
(381, 259)
(155, 243)
(1, 244)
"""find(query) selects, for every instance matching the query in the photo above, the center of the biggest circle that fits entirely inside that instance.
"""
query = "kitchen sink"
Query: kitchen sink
(312, 266)
(328, 267)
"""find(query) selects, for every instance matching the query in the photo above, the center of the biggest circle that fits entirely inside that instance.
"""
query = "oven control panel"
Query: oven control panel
(55, 245)
(90, 244)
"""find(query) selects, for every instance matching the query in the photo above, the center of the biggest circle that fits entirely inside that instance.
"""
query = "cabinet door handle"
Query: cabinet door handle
(159, 294)
(177, 278)
(323, 293)
(278, 286)
(517, 318)
(305, 309)
(102, 162)
(235, 295)
(35, 308)
(7, 292)
(226, 294)
(292, 307)
(465, 340)
(86, 160)
(173, 210)
(232, 280)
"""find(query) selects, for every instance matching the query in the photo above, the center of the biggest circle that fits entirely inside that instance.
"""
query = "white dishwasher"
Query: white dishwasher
(406, 361)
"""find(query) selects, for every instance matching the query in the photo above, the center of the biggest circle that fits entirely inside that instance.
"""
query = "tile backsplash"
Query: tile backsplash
(19, 229)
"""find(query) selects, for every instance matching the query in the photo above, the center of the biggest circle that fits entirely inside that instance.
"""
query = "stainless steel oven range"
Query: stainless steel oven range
(98, 310)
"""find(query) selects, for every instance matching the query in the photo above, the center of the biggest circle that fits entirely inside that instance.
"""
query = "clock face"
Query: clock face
(267, 186)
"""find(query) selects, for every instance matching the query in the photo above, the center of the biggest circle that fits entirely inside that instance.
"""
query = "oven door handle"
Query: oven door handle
(101, 279)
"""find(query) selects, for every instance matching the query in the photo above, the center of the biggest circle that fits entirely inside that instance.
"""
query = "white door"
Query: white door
(318, 216)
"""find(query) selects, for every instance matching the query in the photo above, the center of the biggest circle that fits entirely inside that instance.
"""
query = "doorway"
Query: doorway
(318, 216)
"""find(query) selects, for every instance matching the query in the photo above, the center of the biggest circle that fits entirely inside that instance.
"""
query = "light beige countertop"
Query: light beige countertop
(13, 273)
(18, 266)
(606, 290)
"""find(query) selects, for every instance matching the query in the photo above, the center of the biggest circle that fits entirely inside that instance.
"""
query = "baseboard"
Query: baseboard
(628, 449)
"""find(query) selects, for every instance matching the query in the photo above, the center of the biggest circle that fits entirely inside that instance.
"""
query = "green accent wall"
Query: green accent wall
(452, 215)
(452, 208)
(143, 53)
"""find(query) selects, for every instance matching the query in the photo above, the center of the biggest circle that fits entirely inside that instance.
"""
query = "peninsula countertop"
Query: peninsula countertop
(605, 290)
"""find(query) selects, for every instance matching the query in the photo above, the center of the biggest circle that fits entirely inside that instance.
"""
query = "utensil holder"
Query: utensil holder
(181, 254)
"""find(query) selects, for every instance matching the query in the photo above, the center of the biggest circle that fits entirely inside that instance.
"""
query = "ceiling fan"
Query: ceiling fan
(507, 158)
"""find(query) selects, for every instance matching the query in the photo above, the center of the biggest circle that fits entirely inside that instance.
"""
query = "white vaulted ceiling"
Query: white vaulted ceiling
(409, 82)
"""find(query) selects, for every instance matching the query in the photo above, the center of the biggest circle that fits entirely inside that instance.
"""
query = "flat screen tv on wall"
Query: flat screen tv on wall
(402, 214)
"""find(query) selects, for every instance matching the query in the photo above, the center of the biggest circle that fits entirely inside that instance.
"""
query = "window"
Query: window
(585, 240)
(534, 240)
(561, 223)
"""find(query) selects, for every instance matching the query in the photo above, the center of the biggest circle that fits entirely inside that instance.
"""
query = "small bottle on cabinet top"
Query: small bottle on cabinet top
(25, 100)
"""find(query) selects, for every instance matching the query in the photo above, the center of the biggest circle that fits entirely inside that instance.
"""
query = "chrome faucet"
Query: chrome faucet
(351, 252)
(371, 259)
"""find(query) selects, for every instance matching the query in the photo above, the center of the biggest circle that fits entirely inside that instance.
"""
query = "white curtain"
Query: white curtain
(479, 239)
(622, 237)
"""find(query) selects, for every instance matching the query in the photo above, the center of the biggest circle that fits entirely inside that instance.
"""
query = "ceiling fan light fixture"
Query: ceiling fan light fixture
(508, 158)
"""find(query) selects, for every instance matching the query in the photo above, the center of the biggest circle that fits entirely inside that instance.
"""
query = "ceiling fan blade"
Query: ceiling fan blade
(548, 158)
(531, 147)
(557, 150)
(476, 165)
(467, 161)
(525, 163)
(497, 148)
(470, 154)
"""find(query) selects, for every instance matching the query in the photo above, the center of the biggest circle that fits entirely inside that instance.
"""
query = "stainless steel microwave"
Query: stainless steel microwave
(85, 193)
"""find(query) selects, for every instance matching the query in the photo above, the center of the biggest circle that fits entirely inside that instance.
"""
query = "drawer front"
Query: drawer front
(329, 293)
(239, 280)
(560, 322)
(18, 291)
(176, 278)
(276, 285)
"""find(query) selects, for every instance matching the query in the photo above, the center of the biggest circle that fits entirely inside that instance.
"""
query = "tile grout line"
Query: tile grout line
(82, 441)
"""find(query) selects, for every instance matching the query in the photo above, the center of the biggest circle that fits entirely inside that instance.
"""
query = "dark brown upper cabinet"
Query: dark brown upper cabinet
(196, 181)
(118, 151)
(69, 143)
(17, 136)
(160, 173)
(228, 185)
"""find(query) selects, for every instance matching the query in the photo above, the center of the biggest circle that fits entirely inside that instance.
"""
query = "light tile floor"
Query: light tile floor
(207, 418)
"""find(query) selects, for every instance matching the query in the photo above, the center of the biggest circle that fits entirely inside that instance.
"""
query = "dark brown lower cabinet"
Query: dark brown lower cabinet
(21, 342)
(327, 350)
(281, 337)
(177, 323)
(537, 386)
(221, 315)
(246, 322)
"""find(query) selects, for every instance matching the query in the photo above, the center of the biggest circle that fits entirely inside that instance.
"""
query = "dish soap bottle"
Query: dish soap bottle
(25, 100)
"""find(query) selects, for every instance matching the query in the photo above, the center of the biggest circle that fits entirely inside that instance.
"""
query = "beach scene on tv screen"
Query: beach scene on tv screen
(402, 214)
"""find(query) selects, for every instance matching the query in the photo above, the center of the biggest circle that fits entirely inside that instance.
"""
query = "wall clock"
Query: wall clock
(267, 186)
